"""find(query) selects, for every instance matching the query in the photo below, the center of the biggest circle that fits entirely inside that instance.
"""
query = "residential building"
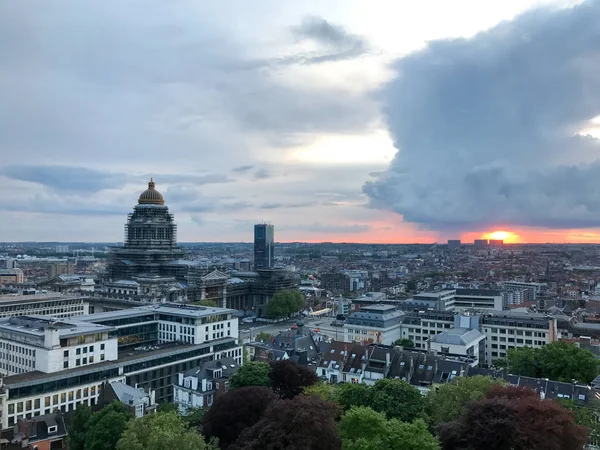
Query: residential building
(517, 296)
(297, 345)
(480, 244)
(10, 277)
(379, 324)
(515, 329)
(200, 386)
(61, 268)
(137, 400)
(436, 300)
(420, 326)
(56, 305)
(454, 244)
(264, 246)
(534, 288)
(45, 432)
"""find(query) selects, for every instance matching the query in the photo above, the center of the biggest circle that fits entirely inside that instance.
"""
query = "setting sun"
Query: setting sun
(501, 235)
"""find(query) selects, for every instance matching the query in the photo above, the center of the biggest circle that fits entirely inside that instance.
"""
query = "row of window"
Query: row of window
(83, 361)
(517, 332)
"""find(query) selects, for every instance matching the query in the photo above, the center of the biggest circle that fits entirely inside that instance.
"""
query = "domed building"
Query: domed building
(150, 242)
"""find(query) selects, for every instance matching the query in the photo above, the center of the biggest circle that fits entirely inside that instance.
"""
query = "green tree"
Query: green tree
(559, 361)
(398, 400)
(284, 304)
(523, 361)
(165, 407)
(194, 416)
(326, 391)
(565, 361)
(404, 342)
(78, 427)
(448, 401)
(263, 336)
(361, 428)
(350, 394)
(253, 373)
(105, 427)
(162, 431)
(585, 416)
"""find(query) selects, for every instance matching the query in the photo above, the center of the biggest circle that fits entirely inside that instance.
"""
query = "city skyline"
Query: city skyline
(289, 114)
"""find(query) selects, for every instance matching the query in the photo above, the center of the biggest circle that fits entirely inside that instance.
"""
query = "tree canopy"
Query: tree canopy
(104, 428)
(560, 361)
(162, 431)
(78, 427)
(235, 411)
(284, 304)
(405, 342)
(361, 428)
(448, 401)
(306, 421)
(252, 373)
(513, 418)
(289, 379)
(398, 400)
(263, 337)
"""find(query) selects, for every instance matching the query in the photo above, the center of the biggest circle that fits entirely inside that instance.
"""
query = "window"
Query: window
(78, 362)
(66, 353)
(78, 351)
(36, 403)
(66, 365)
(101, 346)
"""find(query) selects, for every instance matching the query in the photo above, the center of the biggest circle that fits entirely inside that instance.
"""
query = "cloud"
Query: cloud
(262, 174)
(318, 227)
(487, 127)
(243, 169)
(336, 43)
(277, 205)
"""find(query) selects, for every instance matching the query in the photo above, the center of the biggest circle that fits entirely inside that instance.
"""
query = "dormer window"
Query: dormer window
(52, 429)
(188, 383)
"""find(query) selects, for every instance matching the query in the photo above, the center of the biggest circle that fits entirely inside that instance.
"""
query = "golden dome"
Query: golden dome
(151, 196)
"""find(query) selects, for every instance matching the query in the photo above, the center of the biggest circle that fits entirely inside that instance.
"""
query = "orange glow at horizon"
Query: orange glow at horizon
(507, 236)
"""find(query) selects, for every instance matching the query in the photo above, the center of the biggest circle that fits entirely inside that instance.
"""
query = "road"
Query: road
(322, 323)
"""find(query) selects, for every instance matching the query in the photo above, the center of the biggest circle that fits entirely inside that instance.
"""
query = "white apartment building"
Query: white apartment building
(515, 329)
(420, 326)
(477, 300)
(378, 324)
(131, 353)
(53, 304)
(30, 343)
(437, 300)
(535, 288)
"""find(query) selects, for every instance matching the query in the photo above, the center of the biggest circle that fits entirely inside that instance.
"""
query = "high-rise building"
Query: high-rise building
(264, 246)
(453, 244)
(150, 240)
(481, 243)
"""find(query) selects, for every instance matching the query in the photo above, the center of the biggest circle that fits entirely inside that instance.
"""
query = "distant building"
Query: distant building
(464, 339)
(55, 305)
(534, 288)
(264, 246)
(480, 244)
(9, 277)
(8, 263)
(62, 268)
(200, 386)
(136, 399)
(453, 244)
(496, 243)
(150, 243)
(69, 283)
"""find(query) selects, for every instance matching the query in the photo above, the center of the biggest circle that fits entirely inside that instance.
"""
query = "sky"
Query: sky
(339, 121)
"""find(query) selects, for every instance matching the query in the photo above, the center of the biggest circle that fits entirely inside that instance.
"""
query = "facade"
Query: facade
(55, 305)
(61, 268)
(437, 300)
(202, 385)
(515, 329)
(139, 401)
(420, 326)
(480, 244)
(264, 246)
(154, 343)
(41, 433)
(9, 277)
(534, 288)
(463, 340)
(69, 283)
(48, 345)
(478, 300)
(379, 324)
(454, 244)
(150, 240)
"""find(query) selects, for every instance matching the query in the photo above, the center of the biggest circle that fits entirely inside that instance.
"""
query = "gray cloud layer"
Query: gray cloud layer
(487, 127)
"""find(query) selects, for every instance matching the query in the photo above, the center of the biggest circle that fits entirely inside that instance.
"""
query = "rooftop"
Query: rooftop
(177, 309)
(457, 336)
(36, 325)
(20, 298)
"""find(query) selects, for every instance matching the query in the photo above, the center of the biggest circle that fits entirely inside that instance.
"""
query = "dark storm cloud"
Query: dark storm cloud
(337, 42)
(65, 178)
(487, 127)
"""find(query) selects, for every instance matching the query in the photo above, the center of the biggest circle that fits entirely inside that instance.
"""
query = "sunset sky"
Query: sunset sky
(338, 120)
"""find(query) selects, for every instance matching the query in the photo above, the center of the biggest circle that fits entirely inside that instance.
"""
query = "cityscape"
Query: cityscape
(300, 226)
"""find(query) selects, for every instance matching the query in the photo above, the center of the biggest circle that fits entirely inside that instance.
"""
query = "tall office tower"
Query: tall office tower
(150, 240)
(264, 246)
